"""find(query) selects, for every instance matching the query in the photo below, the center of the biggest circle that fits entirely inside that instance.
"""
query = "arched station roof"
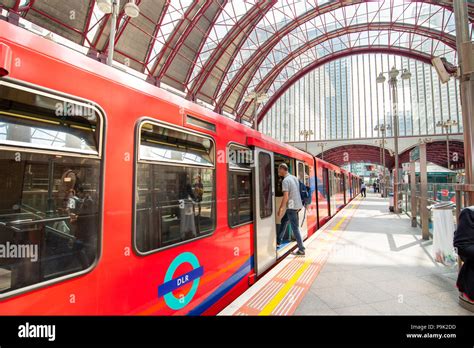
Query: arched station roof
(218, 51)
(436, 153)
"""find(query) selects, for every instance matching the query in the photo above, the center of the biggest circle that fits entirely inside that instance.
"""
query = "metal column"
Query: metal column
(466, 64)
(424, 192)
(413, 192)
(396, 198)
(113, 29)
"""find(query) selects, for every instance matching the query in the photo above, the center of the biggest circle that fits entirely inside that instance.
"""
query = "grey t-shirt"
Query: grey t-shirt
(291, 185)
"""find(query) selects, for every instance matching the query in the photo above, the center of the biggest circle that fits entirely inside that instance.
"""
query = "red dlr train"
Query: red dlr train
(118, 197)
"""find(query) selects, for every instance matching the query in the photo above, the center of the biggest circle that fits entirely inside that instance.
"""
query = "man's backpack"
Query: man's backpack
(305, 195)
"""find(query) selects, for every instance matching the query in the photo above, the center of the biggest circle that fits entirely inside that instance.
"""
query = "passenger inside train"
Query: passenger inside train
(50, 202)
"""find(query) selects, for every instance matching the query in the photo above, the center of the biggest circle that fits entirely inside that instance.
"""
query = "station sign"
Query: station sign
(415, 154)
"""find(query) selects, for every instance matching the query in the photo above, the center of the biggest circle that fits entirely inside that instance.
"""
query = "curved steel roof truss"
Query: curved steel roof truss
(256, 42)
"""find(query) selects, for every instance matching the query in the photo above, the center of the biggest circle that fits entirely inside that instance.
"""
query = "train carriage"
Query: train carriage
(132, 199)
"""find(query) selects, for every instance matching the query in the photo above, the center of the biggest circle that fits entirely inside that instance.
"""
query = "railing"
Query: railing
(459, 194)
(436, 193)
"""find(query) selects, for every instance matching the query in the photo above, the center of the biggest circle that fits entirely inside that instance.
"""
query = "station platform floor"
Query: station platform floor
(364, 261)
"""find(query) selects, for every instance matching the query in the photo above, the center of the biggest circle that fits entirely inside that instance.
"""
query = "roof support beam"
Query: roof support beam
(240, 82)
(180, 54)
(423, 57)
(267, 81)
(252, 64)
(223, 55)
(175, 39)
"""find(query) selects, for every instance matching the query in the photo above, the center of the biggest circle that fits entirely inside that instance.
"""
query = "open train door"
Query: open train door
(300, 174)
(265, 233)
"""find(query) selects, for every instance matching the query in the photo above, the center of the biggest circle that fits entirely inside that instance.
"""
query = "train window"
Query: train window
(240, 198)
(279, 159)
(40, 121)
(50, 170)
(324, 185)
(301, 172)
(168, 145)
(200, 123)
(175, 191)
(265, 184)
(240, 158)
(240, 185)
(306, 175)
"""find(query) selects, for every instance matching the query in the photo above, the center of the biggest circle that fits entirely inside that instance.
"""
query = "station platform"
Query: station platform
(364, 261)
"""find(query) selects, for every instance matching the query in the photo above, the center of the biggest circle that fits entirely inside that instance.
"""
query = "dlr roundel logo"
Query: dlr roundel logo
(173, 282)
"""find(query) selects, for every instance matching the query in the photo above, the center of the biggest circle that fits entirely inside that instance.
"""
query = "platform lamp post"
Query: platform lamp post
(381, 145)
(446, 125)
(257, 98)
(306, 134)
(392, 81)
(383, 128)
(112, 7)
(322, 145)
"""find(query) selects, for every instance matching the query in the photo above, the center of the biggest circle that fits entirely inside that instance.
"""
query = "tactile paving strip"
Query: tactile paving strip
(283, 293)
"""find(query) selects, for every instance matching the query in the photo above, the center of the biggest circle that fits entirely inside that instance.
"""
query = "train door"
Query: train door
(265, 235)
(347, 188)
(300, 174)
(332, 192)
(326, 186)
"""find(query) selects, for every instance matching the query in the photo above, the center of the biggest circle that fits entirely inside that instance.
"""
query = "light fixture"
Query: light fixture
(249, 97)
(446, 124)
(406, 75)
(393, 73)
(131, 9)
(380, 78)
(104, 6)
(261, 98)
(258, 96)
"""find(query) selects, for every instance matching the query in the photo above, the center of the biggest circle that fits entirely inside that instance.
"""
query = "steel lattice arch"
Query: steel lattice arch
(218, 51)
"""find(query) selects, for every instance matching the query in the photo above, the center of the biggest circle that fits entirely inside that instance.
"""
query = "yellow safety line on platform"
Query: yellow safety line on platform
(268, 309)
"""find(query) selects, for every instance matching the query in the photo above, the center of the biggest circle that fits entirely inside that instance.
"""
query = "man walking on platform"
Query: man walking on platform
(293, 204)
(363, 190)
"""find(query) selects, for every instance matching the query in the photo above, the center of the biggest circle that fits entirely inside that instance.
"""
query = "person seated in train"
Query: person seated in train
(67, 187)
(85, 219)
(67, 198)
(198, 191)
(293, 204)
(186, 198)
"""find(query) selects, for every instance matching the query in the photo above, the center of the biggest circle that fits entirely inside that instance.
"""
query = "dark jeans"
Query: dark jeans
(291, 217)
(362, 191)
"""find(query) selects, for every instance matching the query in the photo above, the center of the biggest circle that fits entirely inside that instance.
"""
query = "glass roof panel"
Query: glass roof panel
(385, 38)
(233, 11)
(418, 14)
(414, 13)
(284, 31)
(174, 13)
